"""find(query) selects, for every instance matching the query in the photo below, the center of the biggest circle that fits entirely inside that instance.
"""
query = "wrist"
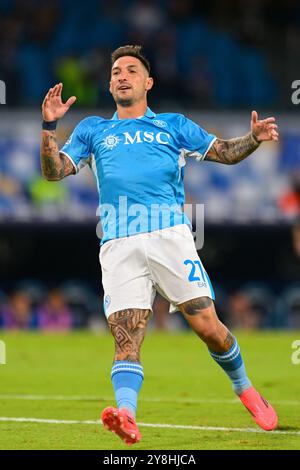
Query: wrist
(258, 142)
(49, 125)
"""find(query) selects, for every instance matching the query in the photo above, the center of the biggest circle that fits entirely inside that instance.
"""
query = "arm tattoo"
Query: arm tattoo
(55, 165)
(128, 327)
(234, 150)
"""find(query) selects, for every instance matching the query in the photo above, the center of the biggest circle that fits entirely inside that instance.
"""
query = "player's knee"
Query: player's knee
(207, 326)
(210, 332)
(196, 306)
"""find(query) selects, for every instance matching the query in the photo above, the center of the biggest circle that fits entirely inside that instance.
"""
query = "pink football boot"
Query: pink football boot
(262, 412)
(122, 423)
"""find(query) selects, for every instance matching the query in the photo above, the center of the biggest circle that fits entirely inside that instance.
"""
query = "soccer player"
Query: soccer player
(137, 157)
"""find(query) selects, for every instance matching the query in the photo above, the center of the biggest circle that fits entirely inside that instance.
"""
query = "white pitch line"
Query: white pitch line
(229, 401)
(47, 421)
(150, 425)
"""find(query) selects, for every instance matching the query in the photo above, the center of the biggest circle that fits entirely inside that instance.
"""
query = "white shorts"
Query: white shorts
(166, 261)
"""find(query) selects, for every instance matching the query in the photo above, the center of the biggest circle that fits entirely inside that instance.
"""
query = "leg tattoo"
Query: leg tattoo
(192, 307)
(201, 315)
(128, 328)
(229, 340)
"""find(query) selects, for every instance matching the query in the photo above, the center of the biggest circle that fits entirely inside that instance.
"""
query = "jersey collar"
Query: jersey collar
(148, 114)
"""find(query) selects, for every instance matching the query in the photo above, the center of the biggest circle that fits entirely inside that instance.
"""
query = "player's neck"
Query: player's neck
(132, 112)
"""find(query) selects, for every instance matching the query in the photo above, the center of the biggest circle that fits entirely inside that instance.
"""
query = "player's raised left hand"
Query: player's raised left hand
(265, 129)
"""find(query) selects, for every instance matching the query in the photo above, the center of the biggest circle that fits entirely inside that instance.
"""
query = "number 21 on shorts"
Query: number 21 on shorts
(196, 268)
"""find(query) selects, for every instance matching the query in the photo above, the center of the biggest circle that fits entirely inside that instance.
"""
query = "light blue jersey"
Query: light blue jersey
(139, 168)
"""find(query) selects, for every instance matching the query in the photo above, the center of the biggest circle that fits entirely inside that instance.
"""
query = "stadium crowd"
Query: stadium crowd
(226, 191)
(190, 44)
(32, 306)
(74, 304)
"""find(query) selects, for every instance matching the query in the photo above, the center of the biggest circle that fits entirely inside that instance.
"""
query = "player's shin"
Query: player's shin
(232, 363)
(222, 345)
(127, 379)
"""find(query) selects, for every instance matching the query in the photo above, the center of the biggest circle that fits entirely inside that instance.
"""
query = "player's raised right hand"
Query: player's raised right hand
(53, 108)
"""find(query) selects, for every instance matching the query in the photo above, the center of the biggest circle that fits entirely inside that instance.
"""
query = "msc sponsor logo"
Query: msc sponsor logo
(139, 137)
(111, 141)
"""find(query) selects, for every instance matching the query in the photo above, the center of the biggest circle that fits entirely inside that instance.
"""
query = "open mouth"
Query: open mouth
(124, 87)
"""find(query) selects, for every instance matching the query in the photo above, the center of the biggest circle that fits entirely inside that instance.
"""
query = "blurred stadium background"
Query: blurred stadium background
(213, 60)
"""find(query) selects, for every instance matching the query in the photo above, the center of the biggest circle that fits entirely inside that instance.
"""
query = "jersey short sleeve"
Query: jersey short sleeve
(193, 139)
(77, 147)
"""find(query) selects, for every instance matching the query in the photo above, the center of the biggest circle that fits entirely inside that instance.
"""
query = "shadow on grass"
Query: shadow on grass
(287, 428)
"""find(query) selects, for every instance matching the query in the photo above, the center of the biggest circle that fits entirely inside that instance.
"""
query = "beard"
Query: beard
(124, 102)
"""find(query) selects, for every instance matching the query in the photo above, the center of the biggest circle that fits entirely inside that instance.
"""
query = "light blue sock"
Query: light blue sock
(232, 363)
(127, 379)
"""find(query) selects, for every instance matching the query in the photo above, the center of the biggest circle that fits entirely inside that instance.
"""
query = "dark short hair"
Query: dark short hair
(133, 51)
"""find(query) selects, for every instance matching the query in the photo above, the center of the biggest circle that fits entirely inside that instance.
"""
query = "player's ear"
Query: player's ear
(110, 90)
(149, 83)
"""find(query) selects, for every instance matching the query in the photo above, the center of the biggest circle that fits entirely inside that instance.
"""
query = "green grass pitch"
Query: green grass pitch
(67, 378)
